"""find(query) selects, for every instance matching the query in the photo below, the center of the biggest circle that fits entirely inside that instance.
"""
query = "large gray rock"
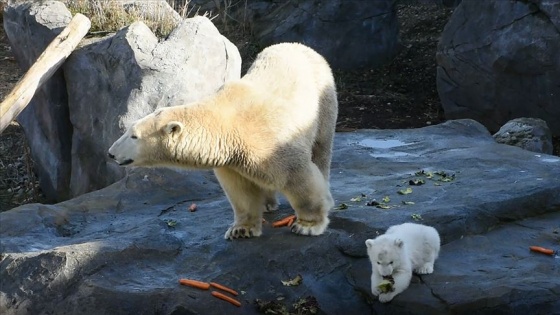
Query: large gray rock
(106, 83)
(530, 134)
(351, 34)
(116, 80)
(117, 250)
(30, 27)
(498, 60)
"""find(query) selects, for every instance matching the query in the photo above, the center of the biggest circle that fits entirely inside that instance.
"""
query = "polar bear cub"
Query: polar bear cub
(270, 131)
(396, 254)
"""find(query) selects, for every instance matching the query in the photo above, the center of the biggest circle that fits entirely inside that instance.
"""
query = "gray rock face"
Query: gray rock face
(351, 34)
(105, 84)
(121, 250)
(530, 134)
(30, 28)
(498, 60)
(116, 80)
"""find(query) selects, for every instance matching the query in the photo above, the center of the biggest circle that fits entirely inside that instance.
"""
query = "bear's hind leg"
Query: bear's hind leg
(247, 200)
(270, 200)
(309, 195)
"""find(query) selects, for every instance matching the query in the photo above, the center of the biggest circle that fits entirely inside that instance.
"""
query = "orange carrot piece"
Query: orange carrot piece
(283, 222)
(224, 288)
(226, 298)
(195, 284)
(542, 250)
(291, 221)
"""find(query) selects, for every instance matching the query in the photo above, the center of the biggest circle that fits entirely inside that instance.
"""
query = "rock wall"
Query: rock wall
(498, 60)
(351, 34)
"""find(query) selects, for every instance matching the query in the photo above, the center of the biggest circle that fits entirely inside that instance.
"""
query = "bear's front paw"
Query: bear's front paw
(242, 231)
(425, 269)
(304, 227)
(375, 291)
(386, 297)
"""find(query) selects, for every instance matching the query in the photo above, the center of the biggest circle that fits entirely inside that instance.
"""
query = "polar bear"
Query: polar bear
(394, 255)
(272, 130)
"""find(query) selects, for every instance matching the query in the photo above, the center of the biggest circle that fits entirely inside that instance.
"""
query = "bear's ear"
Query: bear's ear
(369, 243)
(174, 127)
(399, 242)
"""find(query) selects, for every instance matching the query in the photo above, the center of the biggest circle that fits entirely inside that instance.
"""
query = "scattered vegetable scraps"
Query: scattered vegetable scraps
(195, 284)
(287, 221)
(386, 285)
(293, 282)
(416, 217)
(341, 206)
(358, 198)
(386, 199)
(171, 223)
(193, 207)
(405, 191)
(416, 182)
(407, 203)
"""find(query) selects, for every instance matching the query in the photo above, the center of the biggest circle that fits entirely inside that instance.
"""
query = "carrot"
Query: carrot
(284, 222)
(224, 288)
(542, 250)
(195, 284)
(226, 298)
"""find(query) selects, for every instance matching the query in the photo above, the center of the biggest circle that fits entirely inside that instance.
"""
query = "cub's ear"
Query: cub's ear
(174, 127)
(399, 242)
(369, 243)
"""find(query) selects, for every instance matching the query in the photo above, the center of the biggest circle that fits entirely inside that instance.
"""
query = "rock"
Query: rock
(30, 27)
(106, 83)
(351, 34)
(116, 80)
(527, 133)
(498, 60)
(113, 251)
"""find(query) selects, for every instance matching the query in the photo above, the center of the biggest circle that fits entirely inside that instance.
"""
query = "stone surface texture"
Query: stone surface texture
(121, 250)
(530, 134)
(498, 60)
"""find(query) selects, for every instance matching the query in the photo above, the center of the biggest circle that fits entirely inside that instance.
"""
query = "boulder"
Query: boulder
(106, 83)
(498, 60)
(530, 134)
(121, 250)
(115, 80)
(351, 34)
(30, 27)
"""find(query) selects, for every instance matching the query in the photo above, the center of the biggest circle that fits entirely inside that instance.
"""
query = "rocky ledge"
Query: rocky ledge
(121, 250)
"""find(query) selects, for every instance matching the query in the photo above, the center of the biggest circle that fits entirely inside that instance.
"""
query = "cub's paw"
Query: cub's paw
(242, 231)
(304, 227)
(425, 269)
(375, 291)
(386, 297)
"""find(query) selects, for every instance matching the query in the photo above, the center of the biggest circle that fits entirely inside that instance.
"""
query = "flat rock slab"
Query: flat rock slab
(121, 250)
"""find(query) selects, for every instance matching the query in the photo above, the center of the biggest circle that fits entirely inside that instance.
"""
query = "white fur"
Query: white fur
(401, 250)
(270, 131)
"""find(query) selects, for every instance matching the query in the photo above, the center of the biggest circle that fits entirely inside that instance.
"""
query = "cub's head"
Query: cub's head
(149, 141)
(385, 254)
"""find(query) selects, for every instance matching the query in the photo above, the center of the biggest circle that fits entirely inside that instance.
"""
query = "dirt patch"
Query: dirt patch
(402, 94)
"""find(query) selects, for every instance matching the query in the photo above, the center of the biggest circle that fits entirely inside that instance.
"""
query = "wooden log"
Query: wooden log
(48, 62)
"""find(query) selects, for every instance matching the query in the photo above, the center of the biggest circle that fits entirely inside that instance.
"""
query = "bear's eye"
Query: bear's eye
(390, 263)
(134, 137)
(378, 263)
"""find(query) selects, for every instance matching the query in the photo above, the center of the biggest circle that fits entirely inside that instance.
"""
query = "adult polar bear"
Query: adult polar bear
(272, 130)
